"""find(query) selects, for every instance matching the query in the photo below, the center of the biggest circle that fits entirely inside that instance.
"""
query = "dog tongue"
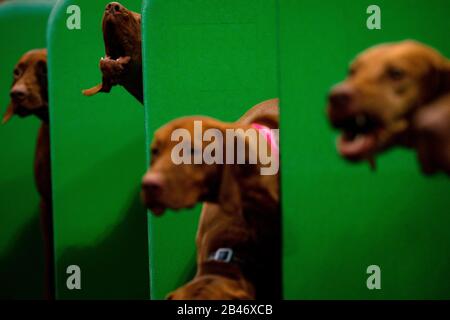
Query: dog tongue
(357, 147)
(8, 114)
(158, 210)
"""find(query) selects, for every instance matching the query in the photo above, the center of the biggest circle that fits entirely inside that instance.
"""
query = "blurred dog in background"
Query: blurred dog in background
(395, 95)
(122, 64)
(29, 96)
(238, 238)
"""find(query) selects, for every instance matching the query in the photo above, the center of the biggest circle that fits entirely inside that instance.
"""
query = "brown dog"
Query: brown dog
(376, 106)
(122, 64)
(29, 96)
(238, 239)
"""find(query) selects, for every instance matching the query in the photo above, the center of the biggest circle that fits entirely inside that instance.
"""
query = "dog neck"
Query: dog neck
(134, 86)
(244, 192)
(228, 270)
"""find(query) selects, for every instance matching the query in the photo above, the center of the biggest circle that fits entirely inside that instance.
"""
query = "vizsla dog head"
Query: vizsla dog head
(385, 86)
(175, 185)
(122, 64)
(29, 88)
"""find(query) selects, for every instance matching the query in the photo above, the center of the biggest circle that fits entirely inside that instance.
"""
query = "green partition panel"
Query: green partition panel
(98, 155)
(22, 27)
(208, 57)
(339, 218)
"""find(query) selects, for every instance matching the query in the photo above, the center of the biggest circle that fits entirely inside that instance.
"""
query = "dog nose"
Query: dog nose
(152, 183)
(18, 93)
(114, 7)
(341, 96)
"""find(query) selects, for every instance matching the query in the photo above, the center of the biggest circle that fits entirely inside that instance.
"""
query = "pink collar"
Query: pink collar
(268, 135)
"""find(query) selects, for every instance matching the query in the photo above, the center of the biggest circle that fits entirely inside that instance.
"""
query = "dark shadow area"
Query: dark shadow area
(123, 265)
(22, 267)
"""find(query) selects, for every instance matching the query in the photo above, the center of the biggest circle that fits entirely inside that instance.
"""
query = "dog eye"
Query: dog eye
(17, 73)
(351, 71)
(154, 152)
(396, 73)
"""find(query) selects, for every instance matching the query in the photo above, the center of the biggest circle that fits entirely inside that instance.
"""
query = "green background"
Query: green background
(215, 58)
(340, 218)
(98, 154)
(22, 28)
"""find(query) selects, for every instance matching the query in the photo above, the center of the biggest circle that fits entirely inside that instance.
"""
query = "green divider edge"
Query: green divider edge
(98, 155)
(22, 27)
(208, 57)
(340, 218)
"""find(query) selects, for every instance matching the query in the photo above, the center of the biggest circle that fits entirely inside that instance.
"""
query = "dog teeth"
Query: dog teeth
(361, 120)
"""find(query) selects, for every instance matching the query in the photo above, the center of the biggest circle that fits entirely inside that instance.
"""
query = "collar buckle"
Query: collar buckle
(222, 255)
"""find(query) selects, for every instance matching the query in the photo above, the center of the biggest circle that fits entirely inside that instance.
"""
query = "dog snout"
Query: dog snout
(341, 96)
(152, 183)
(114, 7)
(18, 93)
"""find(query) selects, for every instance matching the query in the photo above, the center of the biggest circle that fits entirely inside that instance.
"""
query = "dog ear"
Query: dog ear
(269, 120)
(94, 90)
(439, 84)
(445, 78)
(8, 114)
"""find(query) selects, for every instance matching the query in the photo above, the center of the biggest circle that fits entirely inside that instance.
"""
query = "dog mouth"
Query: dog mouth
(23, 109)
(153, 204)
(157, 210)
(115, 44)
(358, 139)
(119, 34)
